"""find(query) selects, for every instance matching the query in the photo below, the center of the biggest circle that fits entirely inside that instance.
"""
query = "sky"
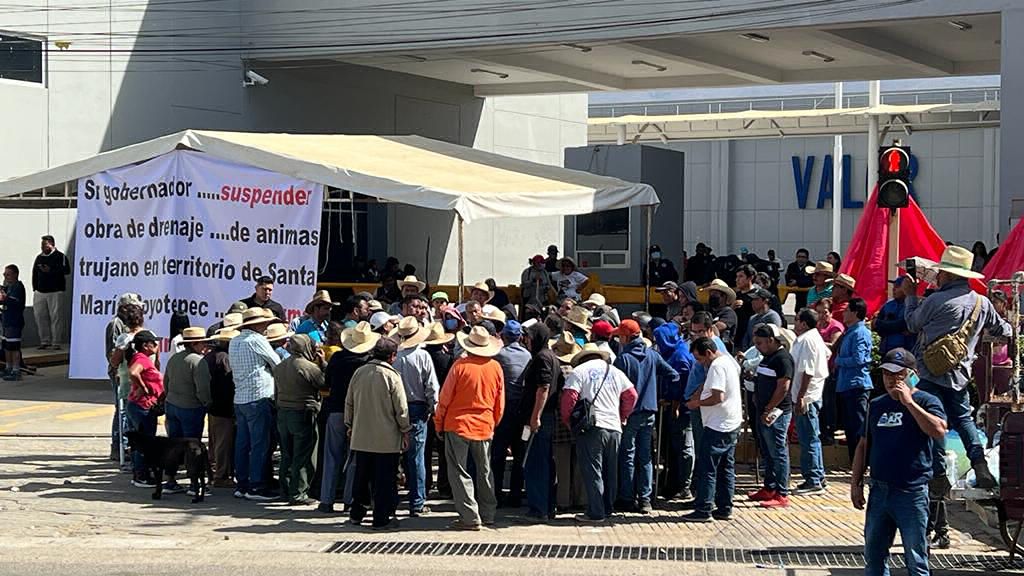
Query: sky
(701, 94)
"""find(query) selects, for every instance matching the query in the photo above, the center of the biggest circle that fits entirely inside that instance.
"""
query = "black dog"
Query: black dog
(165, 455)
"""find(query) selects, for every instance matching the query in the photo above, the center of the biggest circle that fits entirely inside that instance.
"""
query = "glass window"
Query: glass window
(603, 231)
(21, 59)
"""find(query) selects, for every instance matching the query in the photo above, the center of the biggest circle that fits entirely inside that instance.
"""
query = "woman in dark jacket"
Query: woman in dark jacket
(538, 407)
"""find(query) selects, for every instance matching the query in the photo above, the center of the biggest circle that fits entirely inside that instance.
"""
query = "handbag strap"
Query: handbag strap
(971, 320)
(600, 386)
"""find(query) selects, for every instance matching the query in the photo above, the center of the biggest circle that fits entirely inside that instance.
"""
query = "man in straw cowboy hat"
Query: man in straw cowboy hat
(356, 344)
(278, 334)
(843, 288)
(377, 417)
(421, 388)
(482, 294)
(644, 367)
(821, 274)
(187, 385)
(221, 410)
(472, 404)
(439, 345)
(253, 360)
(720, 300)
(298, 381)
(612, 398)
(953, 308)
(409, 286)
(318, 310)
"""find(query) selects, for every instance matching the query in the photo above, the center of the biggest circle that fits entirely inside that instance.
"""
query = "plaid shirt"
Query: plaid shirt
(252, 365)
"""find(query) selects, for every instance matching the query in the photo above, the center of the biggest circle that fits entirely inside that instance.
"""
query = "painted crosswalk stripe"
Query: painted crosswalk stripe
(29, 409)
(86, 414)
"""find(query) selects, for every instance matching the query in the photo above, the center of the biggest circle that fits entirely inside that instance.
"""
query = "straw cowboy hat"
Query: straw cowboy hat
(846, 281)
(374, 305)
(411, 281)
(483, 287)
(579, 317)
(232, 320)
(320, 297)
(224, 335)
(589, 352)
(437, 335)
(411, 332)
(719, 285)
(359, 339)
(595, 299)
(565, 347)
(255, 317)
(821, 268)
(479, 342)
(193, 334)
(957, 261)
(495, 315)
(277, 332)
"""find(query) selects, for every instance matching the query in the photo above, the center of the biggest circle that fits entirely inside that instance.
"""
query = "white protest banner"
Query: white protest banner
(190, 233)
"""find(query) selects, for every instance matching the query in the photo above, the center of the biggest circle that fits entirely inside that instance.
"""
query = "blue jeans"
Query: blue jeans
(539, 469)
(855, 411)
(775, 453)
(891, 509)
(143, 422)
(715, 476)
(253, 422)
(679, 460)
(336, 458)
(184, 422)
(957, 406)
(413, 460)
(597, 453)
(812, 467)
(636, 471)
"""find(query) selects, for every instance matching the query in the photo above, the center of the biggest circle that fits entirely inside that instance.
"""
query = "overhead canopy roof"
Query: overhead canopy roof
(406, 169)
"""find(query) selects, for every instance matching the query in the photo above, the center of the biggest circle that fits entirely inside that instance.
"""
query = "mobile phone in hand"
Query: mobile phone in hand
(911, 268)
(774, 415)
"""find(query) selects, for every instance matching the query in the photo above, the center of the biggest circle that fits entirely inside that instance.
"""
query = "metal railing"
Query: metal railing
(796, 102)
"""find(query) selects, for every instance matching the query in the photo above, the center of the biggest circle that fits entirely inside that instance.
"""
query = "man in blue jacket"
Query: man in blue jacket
(644, 367)
(678, 442)
(853, 383)
(891, 325)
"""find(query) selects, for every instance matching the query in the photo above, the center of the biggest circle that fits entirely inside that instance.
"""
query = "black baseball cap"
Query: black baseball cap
(898, 360)
(145, 336)
(760, 293)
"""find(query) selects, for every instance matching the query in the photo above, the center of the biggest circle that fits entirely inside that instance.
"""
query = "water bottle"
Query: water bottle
(951, 471)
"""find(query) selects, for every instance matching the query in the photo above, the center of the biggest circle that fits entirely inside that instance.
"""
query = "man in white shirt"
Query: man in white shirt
(810, 369)
(721, 411)
(597, 449)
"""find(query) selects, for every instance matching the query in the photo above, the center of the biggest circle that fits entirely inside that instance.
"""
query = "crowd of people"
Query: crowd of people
(562, 401)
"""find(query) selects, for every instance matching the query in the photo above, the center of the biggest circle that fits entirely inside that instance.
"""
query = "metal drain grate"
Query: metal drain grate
(767, 558)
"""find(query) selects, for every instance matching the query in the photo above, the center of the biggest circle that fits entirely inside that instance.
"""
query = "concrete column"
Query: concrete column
(1011, 169)
(837, 181)
(874, 99)
(720, 164)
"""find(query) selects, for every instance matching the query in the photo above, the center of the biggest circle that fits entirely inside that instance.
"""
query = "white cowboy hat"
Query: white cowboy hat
(437, 335)
(820, 268)
(359, 339)
(596, 300)
(224, 335)
(494, 315)
(231, 320)
(579, 317)
(957, 261)
(589, 351)
(479, 342)
(193, 334)
(411, 281)
(565, 347)
(277, 332)
(256, 317)
(374, 305)
(483, 287)
(719, 285)
(411, 332)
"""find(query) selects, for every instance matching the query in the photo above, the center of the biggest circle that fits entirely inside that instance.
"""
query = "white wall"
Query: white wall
(957, 187)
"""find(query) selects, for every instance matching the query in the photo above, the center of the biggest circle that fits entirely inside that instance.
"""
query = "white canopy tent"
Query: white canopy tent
(406, 169)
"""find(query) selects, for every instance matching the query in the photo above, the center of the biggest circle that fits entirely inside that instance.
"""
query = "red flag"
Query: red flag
(1010, 256)
(866, 258)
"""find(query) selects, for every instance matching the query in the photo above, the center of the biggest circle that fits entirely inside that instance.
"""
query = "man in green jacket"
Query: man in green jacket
(298, 381)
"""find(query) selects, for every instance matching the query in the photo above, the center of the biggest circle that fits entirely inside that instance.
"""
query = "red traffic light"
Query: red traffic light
(894, 161)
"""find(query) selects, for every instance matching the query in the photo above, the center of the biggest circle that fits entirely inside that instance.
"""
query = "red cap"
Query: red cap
(537, 259)
(628, 328)
(602, 329)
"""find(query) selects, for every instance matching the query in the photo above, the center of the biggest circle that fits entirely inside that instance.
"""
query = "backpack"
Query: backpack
(945, 353)
(582, 418)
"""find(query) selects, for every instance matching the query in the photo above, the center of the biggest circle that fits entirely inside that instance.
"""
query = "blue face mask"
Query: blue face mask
(655, 255)
(451, 324)
(912, 380)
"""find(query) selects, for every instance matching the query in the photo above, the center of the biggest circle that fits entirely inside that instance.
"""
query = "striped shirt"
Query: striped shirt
(252, 365)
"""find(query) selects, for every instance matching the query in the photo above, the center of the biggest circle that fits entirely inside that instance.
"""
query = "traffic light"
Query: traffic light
(894, 177)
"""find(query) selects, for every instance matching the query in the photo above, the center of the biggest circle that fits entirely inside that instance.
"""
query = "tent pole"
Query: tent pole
(649, 210)
(462, 264)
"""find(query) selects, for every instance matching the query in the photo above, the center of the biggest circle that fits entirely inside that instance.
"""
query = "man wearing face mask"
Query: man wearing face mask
(662, 269)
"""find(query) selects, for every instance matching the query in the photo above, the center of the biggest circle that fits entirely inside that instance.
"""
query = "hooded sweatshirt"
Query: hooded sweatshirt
(643, 366)
(676, 352)
(298, 379)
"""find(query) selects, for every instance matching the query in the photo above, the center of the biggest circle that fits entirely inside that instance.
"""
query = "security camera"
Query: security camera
(254, 79)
